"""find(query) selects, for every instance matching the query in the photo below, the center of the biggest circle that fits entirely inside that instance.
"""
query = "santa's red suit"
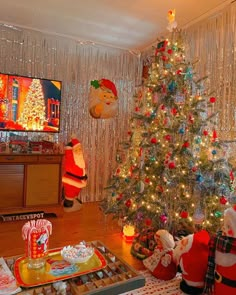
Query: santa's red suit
(74, 178)
(191, 254)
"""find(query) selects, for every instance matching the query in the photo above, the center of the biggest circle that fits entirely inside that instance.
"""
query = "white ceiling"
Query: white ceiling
(127, 24)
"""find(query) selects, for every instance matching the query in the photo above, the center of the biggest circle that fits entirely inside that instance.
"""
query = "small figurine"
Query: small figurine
(161, 263)
(191, 255)
(221, 271)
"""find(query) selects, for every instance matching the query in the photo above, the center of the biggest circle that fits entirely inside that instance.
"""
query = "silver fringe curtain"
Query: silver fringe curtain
(30, 53)
(213, 43)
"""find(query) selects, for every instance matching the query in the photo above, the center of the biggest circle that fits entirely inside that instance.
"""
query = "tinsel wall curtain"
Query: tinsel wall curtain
(30, 53)
(211, 42)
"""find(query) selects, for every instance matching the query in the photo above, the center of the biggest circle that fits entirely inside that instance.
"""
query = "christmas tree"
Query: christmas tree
(33, 115)
(173, 168)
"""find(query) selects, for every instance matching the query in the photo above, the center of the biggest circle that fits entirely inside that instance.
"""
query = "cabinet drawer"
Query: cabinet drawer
(11, 158)
(49, 159)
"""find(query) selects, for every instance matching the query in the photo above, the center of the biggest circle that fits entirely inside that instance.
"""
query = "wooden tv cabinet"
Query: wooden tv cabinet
(30, 183)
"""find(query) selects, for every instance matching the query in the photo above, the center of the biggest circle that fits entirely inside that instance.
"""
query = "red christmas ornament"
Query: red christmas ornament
(186, 144)
(163, 218)
(119, 197)
(214, 136)
(194, 169)
(174, 111)
(153, 140)
(169, 51)
(148, 222)
(184, 214)
(128, 203)
(118, 171)
(172, 165)
(223, 200)
(168, 137)
(205, 132)
(163, 107)
(137, 109)
(164, 58)
(147, 180)
(178, 72)
(212, 99)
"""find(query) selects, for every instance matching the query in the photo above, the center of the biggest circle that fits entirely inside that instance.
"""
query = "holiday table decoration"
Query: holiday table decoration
(104, 274)
(56, 268)
(79, 254)
(36, 234)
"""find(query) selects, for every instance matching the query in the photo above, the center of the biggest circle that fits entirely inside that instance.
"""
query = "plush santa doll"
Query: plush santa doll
(221, 271)
(103, 99)
(161, 263)
(191, 254)
(74, 178)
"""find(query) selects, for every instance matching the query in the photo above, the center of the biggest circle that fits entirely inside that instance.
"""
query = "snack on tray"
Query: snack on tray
(81, 253)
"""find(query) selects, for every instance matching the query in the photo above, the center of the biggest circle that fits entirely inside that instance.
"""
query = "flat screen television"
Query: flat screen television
(29, 104)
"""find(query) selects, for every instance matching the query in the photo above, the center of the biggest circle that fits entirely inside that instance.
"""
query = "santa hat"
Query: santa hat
(109, 85)
(194, 262)
(75, 142)
(166, 239)
(230, 220)
(200, 241)
(72, 144)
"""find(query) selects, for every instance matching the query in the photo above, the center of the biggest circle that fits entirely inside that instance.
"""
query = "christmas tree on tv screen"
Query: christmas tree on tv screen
(173, 168)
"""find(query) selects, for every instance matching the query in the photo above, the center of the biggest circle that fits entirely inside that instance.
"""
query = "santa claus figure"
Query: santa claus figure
(74, 178)
(221, 271)
(103, 99)
(160, 263)
(191, 254)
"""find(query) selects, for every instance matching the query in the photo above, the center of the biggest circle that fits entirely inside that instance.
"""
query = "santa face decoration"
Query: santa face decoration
(103, 100)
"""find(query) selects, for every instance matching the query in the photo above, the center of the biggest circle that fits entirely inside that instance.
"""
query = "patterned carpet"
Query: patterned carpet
(154, 286)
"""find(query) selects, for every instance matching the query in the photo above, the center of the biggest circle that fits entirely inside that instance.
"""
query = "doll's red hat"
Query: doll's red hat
(109, 85)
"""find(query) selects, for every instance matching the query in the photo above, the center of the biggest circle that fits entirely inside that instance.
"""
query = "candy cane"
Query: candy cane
(35, 226)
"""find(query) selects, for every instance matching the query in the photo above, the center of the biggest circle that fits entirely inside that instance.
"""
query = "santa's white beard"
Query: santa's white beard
(79, 159)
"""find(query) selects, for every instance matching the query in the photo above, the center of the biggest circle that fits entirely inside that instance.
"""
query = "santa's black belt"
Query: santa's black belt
(221, 279)
(78, 177)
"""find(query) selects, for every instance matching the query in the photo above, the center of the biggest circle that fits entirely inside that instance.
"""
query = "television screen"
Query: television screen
(29, 104)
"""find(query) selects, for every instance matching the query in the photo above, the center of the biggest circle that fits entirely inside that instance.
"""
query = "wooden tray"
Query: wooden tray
(56, 269)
